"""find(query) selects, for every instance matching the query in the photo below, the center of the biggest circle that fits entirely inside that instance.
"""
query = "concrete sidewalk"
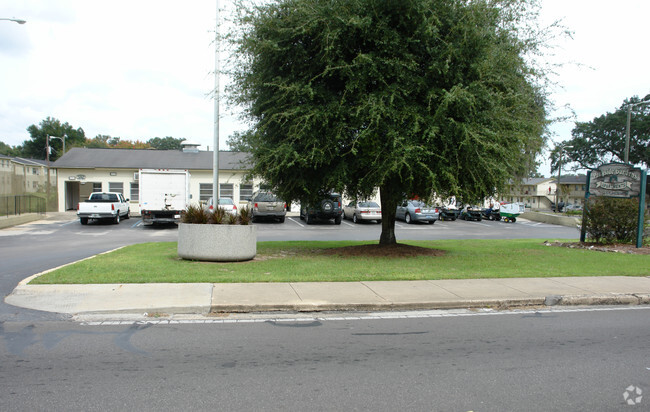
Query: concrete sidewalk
(205, 298)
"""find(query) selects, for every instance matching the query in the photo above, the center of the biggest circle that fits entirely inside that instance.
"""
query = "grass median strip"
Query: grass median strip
(299, 261)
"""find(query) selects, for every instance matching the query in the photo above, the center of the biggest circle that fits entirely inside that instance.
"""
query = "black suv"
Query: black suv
(327, 208)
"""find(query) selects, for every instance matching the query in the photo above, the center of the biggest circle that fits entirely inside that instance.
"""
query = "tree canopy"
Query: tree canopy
(414, 97)
(166, 143)
(36, 148)
(602, 140)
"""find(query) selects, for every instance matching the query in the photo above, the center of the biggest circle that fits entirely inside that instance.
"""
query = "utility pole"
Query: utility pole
(215, 162)
(47, 156)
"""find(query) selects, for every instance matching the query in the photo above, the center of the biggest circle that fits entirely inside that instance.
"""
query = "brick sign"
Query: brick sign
(615, 180)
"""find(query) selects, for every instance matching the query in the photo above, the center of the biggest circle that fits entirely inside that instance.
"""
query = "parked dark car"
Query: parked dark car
(328, 208)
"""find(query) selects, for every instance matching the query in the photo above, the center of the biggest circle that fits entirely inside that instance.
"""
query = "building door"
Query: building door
(71, 195)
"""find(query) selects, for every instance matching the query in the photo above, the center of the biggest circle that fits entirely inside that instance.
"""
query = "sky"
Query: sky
(143, 69)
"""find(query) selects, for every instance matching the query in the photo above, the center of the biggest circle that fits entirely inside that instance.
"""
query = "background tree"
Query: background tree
(15, 151)
(413, 97)
(166, 143)
(36, 147)
(99, 141)
(602, 140)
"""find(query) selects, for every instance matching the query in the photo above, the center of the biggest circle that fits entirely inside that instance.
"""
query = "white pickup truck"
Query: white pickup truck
(104, 205)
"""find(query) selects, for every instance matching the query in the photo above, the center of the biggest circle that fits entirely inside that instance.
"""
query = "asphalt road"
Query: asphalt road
(32, 248)
(543, 361)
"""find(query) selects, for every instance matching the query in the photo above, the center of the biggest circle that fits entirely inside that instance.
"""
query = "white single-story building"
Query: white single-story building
(82, 171)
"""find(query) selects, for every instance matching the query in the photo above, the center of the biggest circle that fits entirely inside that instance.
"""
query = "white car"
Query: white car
(225, 203)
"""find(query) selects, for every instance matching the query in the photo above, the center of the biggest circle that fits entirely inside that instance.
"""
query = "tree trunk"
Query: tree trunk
(389, 200)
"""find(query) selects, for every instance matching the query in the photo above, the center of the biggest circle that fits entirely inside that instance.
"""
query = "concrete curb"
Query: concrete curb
(500, 304)
(604, 299)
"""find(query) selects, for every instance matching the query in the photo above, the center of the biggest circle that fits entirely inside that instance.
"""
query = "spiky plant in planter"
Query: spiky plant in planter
(218, 216)
(195, 214)
(216, 241)
(245, 216)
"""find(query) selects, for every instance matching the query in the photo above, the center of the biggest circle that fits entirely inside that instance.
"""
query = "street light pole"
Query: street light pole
(215, 162)
(627, 129)
(559, 173)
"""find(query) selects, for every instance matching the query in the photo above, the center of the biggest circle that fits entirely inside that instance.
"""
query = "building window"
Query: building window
(246, 192)
(34, 171)
(97, 187)
(226, 190)
(135, 192)
(117, 187)
(205, 191)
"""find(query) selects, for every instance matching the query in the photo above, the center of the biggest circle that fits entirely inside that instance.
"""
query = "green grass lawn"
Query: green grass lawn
(300, 261)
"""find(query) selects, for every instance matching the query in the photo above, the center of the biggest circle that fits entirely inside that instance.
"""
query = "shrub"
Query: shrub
(610, 220)
(232, 219)
(245, 216)
(195, 214)
(217, 216)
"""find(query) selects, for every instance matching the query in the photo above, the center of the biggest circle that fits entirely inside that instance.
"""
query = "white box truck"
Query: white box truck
(164, 195)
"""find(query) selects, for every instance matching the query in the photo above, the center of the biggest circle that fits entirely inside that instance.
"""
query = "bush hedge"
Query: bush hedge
(609, 220)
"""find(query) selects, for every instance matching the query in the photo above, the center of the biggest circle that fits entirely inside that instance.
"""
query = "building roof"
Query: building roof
(572, 180)
(24, 161)
(533, 181)
(91, 158)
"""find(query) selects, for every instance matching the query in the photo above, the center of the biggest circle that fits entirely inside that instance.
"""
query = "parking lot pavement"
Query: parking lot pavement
(295, 229)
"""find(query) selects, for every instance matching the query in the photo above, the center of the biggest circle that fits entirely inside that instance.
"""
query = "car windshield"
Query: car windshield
(368, 204)
(226, 201)
(266, 197)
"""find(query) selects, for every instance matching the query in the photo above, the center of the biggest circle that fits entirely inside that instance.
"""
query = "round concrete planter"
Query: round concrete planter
(217, 243)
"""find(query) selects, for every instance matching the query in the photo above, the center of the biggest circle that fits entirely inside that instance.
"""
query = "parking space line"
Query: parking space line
(296, 222)
(349, 224)
(138, 223)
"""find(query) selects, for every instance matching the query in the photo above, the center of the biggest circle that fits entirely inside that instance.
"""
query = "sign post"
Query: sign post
(618, 180)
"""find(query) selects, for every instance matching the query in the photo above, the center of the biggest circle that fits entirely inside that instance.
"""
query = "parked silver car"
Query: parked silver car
(362, 211)
(265, 204)
(412, 211)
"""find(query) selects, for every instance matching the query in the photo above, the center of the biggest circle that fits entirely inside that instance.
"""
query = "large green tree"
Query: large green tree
(413, 97)
(36, 147)
(602, 140)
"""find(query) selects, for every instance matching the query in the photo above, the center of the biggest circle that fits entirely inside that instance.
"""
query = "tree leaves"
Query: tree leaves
(425, 96)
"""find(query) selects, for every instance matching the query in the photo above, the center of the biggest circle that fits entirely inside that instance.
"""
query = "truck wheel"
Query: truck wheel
(83, 220)
(407, 218)
(116, 220)
(308, 220)
(282, 219)
(337, 220)
(128, 215)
